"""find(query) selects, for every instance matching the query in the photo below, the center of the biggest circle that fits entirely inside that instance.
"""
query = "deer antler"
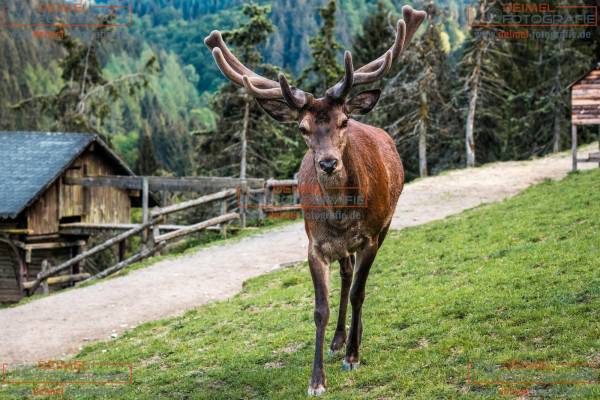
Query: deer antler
(255, 84)
(376, 69)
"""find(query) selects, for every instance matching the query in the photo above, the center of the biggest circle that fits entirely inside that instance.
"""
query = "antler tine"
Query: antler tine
(341, 89)
(361, 78)
(376, 69)
(294, 97)
(395, 50)
(256, 85)
(413, 20)
(269, 93)
(231, 67)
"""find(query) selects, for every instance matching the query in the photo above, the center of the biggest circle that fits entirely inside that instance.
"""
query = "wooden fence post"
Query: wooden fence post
(261, 206)
(145, 212)
(574, 145)
(122, 249)
(223, 212)
(45, 268)
(243, 205)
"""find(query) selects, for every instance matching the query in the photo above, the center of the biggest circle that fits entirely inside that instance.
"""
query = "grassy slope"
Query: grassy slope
(518, 280)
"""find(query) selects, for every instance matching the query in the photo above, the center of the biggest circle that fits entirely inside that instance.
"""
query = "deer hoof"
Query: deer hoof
(316, 391)
(350, 366)
(337, 344)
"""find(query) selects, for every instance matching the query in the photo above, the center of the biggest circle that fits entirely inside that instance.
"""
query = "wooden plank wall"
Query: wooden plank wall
(42, 216)
(72, 197)
(9, 286)
(106, 204)
(100, 205)
(585, 100)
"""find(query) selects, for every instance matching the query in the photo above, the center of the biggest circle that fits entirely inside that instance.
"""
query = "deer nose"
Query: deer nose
(328, 165)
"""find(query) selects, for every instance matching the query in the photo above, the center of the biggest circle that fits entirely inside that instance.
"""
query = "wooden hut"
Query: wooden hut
(585, 109)
(35, 201)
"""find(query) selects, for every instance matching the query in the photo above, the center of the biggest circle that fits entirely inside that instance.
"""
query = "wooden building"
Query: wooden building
(585, 109)
(35, 200)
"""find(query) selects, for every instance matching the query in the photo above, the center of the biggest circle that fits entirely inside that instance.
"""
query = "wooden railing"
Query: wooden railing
(154, 241)
(156, 234)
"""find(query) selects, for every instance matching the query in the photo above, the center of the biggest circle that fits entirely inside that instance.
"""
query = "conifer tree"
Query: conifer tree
(83, 104)
(246, 141)
(147, 163)
(415, 106)
(376, 38)
(324, 70)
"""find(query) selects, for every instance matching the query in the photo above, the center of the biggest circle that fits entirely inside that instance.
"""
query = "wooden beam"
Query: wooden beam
(197, 227)
(281, 182)
(52, 245)
(15, 231)
(224, 225)
(274, 209)
(145, 213)
(193, 203)
(56, 280)
(113, 227)
(171, 184)
(145, 193)
(45, 289)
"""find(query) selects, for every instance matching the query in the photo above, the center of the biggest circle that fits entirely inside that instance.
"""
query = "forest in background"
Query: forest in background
(153, 91)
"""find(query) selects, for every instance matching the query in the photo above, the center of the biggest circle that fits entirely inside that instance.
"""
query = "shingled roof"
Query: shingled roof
(32, 161)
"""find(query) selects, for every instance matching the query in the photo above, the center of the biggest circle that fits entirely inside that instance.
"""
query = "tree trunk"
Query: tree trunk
(557, 106)
(469, 138)
(556, 133)
(423, 136)
(243, 135)
(474, 93)
(243, 197)
(422, 151)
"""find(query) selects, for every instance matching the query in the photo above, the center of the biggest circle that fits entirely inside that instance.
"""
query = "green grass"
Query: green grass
(517, 280)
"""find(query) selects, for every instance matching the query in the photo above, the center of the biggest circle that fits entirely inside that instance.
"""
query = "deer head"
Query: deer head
(323, 122)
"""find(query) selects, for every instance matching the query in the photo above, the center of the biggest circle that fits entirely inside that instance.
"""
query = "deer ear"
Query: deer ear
(279, 110)
(363, 102)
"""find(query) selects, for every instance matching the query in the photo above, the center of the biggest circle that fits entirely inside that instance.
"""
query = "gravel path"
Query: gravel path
(58, 325)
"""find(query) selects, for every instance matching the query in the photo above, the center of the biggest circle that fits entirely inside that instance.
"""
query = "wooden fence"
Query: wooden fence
(250, 194)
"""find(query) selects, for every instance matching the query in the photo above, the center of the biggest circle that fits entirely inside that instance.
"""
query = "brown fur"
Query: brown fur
(346, 160)
(370, 162)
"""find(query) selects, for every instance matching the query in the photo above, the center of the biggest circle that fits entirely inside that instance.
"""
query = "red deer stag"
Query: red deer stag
(342, 154)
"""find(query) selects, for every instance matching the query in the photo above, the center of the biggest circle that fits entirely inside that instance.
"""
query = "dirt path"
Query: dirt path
(58, 325)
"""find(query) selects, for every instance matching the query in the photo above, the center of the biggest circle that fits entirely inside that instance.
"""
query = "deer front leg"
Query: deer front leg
(346, 269)
(319, 271)
(357, 297)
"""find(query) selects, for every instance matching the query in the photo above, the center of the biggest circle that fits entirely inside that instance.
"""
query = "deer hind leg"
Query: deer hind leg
(346, 270)
(357, 297)
(319, 271)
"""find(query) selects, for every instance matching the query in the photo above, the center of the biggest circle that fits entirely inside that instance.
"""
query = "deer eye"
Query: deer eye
(303, 130)
(344, 124)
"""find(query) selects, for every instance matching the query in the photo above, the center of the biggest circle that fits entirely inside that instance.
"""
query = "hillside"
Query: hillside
(172, 24)
(509, 282)
(185, 121)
